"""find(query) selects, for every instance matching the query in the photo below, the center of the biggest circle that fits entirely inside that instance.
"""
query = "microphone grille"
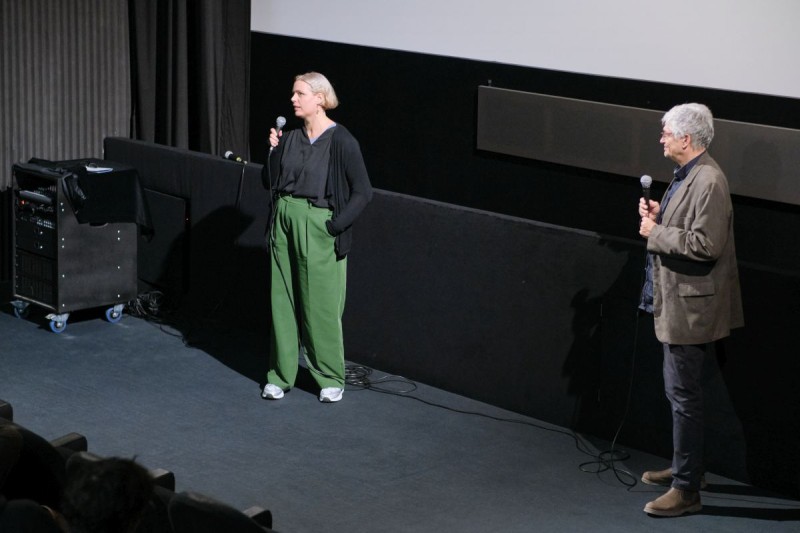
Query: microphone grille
(646, 181)
(280, 122)
(228, 154)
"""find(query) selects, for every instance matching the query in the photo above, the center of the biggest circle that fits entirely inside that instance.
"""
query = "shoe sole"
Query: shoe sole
(331, 400)
(671, 514)
(270, 396)
(703, 483)
(647, 481)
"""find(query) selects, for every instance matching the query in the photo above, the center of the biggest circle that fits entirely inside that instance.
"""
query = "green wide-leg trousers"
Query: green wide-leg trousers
(307, 296)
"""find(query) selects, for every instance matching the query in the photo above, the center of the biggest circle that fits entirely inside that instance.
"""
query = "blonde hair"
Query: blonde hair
(320, 85)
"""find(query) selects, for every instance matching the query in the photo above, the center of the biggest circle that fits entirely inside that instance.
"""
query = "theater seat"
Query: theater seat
(190, 512)
(39, 471)
(6, 410)
(71, 442)
(10, 448)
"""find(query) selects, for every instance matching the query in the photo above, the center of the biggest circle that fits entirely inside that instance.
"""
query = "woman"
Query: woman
(320, 187)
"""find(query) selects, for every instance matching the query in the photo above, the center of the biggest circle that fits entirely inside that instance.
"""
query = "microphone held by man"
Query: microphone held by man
(648, 209)
(646, 181)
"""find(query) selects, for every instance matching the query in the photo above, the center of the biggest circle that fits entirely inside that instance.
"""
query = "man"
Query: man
(692, 289)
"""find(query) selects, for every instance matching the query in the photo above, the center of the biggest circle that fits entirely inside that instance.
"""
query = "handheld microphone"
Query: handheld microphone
(280, 122)
(646, 181)
(233, 157)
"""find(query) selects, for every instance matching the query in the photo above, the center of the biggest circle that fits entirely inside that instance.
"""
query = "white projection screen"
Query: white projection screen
(735, 45)
(730, 45)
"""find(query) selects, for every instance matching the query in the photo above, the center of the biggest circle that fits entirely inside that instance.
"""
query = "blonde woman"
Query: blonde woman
(320, 186)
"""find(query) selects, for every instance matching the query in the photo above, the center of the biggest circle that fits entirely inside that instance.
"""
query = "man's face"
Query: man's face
(674, 147)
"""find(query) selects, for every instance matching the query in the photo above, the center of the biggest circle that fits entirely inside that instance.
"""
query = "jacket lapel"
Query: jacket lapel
(683, 190)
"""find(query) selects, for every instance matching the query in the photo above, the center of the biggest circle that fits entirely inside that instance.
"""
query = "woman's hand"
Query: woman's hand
(274, 137)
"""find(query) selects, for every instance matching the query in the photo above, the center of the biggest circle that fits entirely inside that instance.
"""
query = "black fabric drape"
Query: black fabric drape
(190, 62)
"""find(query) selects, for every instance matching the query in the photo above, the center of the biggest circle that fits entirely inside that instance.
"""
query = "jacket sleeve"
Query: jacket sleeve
(351, 162)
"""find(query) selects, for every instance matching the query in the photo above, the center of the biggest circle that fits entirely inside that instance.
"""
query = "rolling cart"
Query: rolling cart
(64, 264)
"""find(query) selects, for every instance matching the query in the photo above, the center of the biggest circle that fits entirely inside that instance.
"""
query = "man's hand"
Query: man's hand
(649, 209)
(646, 225)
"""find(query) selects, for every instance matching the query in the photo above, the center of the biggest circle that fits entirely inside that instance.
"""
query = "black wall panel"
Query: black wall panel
(213, 264)
(164, 259)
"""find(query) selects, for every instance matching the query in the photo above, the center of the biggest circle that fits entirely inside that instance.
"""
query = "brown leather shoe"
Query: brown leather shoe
(675, 502)
(664, 478)
(658, 477)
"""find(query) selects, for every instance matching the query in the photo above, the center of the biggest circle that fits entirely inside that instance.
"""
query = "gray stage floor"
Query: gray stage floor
(420, 461)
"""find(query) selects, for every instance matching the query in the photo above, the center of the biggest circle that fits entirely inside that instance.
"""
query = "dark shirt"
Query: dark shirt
(348, 189)
(680, 173)
(305, 166)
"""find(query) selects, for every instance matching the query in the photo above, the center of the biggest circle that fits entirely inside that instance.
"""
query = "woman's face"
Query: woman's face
(304, 101)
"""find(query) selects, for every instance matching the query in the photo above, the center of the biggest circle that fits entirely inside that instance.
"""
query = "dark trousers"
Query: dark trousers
(683, 371)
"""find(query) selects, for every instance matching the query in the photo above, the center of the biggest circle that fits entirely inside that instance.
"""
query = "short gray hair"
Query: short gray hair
(691, 119)
(320, 85)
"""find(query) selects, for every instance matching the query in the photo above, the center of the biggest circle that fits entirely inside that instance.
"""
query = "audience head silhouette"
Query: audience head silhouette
(106, 495)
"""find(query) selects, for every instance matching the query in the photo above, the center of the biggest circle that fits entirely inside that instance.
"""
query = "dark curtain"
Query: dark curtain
(64, 87)
(190, 62)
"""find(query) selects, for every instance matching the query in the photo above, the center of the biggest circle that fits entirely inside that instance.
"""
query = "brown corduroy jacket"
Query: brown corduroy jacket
(696, 294)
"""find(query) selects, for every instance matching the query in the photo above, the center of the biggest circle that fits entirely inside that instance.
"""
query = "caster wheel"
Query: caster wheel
(113, 316)
(20, 313)
(57, 327)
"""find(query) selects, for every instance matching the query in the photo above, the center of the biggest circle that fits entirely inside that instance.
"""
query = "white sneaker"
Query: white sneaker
(330, 394)
(272, 392)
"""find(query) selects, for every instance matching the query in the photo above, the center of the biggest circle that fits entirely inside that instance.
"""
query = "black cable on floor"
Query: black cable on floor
(153, 308)
(608, 459)
(358, 376)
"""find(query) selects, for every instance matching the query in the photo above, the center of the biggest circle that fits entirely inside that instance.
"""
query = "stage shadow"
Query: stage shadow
(761, 504)
(756, 513)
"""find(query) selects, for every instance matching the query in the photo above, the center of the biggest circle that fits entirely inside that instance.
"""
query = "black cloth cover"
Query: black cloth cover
(101, 197)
